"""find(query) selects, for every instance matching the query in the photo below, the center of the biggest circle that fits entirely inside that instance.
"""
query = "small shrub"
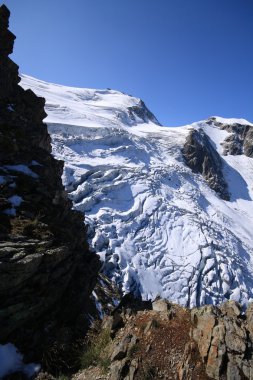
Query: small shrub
(133, 350)
(36, 229)
(155, 323)
(142, 327)
(30, 227)
(96, 353)
(105, 363)
(63, 377)
(61, 359)
(149, 373)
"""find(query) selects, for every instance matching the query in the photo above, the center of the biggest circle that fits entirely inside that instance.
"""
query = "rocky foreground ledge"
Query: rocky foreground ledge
(165, 341)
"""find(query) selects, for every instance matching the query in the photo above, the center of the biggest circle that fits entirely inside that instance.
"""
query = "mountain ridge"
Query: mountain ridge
(157, 226)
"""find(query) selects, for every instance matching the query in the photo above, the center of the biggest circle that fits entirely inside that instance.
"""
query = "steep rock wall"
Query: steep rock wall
(47, 271)
(201, 157)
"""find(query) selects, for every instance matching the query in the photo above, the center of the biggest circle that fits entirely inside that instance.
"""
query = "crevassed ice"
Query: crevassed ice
(158, 227)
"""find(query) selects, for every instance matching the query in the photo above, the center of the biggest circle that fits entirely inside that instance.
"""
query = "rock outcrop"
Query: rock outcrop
(202, 158)
(142, 112)
(240, 140)
(147, 344)
(224, 338)
(172, 342)
(47, 271)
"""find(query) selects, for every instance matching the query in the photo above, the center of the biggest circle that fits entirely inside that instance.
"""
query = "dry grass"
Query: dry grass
(96, 353)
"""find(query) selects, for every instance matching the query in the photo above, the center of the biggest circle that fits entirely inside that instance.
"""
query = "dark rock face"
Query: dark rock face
(240, 141)
(8, 69)
(202, 158)
(47, 271)
(142, 112)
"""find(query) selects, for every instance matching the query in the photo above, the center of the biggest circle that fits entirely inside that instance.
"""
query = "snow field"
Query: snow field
(157, 227)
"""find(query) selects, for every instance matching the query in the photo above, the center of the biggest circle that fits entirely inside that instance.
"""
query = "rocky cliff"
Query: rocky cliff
(201, 157)
(47, 271)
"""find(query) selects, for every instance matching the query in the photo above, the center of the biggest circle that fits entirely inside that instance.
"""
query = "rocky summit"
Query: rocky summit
(47, 271)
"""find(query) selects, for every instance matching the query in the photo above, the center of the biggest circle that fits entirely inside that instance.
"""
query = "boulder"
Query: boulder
(161, 305)
(231, 309)
(124, 347)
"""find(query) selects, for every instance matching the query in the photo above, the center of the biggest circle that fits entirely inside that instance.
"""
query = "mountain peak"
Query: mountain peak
(158, 227)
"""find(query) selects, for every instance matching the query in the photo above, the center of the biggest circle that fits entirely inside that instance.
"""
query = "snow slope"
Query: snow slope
(158, 227)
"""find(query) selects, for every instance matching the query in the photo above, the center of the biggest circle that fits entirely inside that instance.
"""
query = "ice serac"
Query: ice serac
(47, 271)
(158, 226)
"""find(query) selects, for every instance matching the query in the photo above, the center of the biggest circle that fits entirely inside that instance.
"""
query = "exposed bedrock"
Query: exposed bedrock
(162, 340)
(202, 158)
(142, 112)
(224, 338)
(47, 271)
(240, 139)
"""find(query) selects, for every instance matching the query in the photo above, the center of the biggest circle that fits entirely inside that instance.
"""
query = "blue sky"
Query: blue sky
(187, 59)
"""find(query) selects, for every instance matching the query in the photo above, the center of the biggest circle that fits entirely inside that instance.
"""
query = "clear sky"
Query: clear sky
(187, 59)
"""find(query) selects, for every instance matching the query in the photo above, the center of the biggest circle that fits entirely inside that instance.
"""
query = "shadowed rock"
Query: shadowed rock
(202, 158)
(142, 112)
(47, 271)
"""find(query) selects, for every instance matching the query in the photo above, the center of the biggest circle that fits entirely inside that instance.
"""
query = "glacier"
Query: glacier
(157, 226)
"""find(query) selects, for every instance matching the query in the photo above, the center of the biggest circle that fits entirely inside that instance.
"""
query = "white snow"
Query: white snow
(2, 180)
(224, 120)
(10, 107)
(35, 163)
(11, 360)
(98, 305)
(10, 211)
(22, 169)
(158, 227)
(15, 200)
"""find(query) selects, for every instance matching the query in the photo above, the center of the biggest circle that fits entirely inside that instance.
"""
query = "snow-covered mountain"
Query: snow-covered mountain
(156, 223)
